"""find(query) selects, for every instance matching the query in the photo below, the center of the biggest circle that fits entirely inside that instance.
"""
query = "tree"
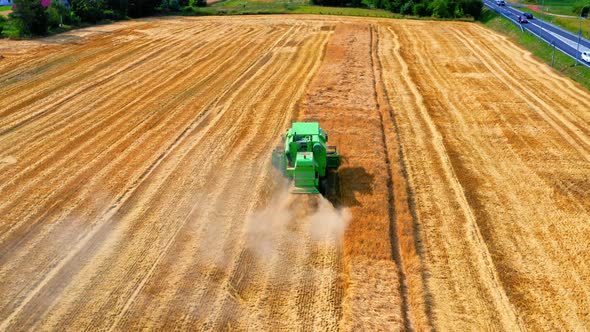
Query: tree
(578, 6)
(139, 8)
(394, 5)
(334, 3)
(197, 3)
(440, 8)
(30, 17)
(471, 7)
(420, 10)
(119, 7)
(62, 11)
(407, 8)
(53, 19)
(89, 10)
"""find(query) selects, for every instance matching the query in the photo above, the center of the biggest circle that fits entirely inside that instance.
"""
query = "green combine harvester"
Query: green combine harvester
(305, 158)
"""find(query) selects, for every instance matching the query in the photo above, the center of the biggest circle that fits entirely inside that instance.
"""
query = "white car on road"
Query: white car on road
(586, 56)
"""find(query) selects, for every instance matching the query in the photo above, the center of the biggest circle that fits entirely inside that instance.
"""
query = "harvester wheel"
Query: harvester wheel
(324, 186)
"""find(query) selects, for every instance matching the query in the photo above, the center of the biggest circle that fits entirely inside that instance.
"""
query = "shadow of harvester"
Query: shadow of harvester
(344, 183)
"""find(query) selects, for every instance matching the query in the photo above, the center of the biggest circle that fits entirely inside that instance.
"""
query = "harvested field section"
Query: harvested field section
(130, 188)
(499, 171)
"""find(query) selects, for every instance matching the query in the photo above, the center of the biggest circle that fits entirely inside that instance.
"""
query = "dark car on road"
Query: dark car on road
(522, 19)
(528, 15)
(500, 2)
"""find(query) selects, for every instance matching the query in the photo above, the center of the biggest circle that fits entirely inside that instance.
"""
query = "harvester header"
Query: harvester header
(305, 158)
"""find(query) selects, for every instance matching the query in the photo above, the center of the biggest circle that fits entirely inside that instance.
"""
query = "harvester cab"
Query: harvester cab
(305, 158)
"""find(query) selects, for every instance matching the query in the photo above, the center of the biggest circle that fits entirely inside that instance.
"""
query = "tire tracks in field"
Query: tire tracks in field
(5, 256)
(383, 105)
(90, 132)
(62, 120)
(39, 161)
(25, 64)
(408, 228)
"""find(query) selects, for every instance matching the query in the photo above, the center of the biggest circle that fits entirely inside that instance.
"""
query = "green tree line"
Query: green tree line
(34, 19)
(433, 8)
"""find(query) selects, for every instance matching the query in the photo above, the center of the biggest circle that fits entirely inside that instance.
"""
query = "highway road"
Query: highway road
(564, 41)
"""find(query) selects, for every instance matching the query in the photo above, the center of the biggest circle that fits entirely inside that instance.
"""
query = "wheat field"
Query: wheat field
(136, 189)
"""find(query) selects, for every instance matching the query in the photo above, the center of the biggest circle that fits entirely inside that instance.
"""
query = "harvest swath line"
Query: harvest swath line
(126, 84)
(208, 292)
(118, 203)
(104, 63)
(93, 84)
(80, 184)
(301, 297)
(241, 263)
(229, 134)
(245, 77)
(90, 131)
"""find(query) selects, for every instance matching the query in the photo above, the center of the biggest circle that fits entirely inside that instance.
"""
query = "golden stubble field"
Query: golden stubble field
(136, 189)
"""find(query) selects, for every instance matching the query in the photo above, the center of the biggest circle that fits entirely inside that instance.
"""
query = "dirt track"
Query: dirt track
(136, 188)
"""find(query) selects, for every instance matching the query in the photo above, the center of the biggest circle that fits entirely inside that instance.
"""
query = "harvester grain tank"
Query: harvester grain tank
(305, 158)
